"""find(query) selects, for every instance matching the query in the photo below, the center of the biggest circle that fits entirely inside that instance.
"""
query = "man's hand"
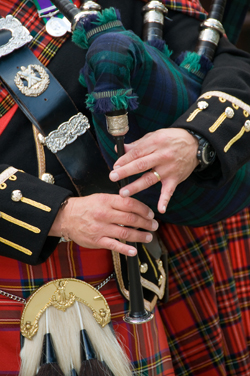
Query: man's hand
(170, 152)
(97, 221)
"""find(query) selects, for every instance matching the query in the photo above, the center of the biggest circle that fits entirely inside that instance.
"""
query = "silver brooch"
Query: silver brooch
(19, 35)
(66, 133)
(37, 80)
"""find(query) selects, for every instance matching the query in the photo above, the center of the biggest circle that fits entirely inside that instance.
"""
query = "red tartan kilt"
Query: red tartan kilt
(204, 329)
(148, 342)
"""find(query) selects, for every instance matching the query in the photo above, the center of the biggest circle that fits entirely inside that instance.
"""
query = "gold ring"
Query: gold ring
(156, 174)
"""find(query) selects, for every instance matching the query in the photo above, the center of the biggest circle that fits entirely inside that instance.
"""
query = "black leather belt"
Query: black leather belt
(81, 157)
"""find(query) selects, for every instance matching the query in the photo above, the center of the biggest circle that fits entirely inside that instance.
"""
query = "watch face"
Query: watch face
(207, 153)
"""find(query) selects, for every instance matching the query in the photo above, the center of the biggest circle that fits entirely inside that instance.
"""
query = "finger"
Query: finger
(167, 191)
(131, 205)
(137, 166)
(145, 181)
(129, 234)
(135, 151)
(115, 245)
(129, 219)
(133, 220)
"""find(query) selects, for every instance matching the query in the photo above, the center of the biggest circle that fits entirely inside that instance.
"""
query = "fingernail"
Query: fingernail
(163, 209)
(114, 176)
(149, 238)
(132, 252)
(125, 193)
(150, 214)
(154, 225)
(117, 166)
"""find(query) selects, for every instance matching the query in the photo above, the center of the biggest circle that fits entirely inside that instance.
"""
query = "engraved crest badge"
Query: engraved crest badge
(32, 81)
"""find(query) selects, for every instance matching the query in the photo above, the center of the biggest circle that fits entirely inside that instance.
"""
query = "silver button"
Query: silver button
(247, 125)
(16, 195)
(143, 268)
(202, 105)
(229, 112)
(160, 280)
(48, 178)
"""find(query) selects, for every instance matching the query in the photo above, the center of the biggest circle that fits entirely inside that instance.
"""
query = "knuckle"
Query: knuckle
(104, 198)
(94, 229)
(97, 214)
(131, 218)
(141, 165)
(124, 233)
(149, 179)
(129, 202)
(136, 153)
(112, 245)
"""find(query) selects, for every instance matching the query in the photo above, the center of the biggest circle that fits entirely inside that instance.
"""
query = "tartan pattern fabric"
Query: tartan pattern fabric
(207, 316)
(233, 19)
(146, 344)
(202, 330)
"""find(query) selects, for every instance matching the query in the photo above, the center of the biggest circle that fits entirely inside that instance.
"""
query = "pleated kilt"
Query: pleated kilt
(204, 329)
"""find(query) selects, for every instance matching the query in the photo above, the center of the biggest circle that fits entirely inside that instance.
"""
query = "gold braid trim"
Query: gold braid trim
(40, 153)
(193, 115)
(245, 128)
(218, 122)
(17, 222)
(16, 246)
(36, 204)
(228, 97)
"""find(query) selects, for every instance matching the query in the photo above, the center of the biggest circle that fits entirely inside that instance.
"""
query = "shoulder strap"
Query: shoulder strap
(47, 105)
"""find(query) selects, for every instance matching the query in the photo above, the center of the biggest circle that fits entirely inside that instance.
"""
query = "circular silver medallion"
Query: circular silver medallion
(56, 27)
(67, 24)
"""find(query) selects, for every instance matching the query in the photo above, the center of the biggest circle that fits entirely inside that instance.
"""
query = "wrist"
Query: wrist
(56, 228)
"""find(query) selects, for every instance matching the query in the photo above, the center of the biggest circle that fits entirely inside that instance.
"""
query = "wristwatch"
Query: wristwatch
(205, 153)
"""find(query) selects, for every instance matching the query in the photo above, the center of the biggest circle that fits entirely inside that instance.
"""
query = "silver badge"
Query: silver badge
(56, 27)
(19, 35)
(37, 80)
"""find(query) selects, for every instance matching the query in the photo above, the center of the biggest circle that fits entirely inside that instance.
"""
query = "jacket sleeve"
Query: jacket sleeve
(222, 114)
(28, 207)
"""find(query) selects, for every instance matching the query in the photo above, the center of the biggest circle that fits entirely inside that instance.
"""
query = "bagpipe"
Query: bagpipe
(124, 74)
(129, 77)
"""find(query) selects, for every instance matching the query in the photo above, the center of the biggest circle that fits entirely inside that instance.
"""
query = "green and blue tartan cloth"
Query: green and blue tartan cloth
(122, 72)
